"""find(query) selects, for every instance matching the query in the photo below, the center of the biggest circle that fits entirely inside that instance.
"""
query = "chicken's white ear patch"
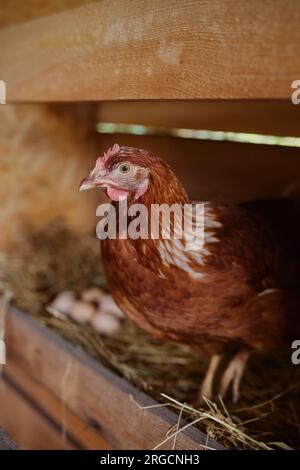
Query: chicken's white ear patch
(142, 189)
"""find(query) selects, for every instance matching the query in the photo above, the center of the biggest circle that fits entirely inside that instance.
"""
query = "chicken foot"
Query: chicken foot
(233, 374)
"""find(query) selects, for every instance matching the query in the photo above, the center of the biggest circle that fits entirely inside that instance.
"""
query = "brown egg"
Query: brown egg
(82, 312)
(93, 294)
(63, 302)
(105, 323)
(108, 304)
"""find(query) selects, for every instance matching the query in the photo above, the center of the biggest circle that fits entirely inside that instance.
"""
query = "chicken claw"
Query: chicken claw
(233, 373)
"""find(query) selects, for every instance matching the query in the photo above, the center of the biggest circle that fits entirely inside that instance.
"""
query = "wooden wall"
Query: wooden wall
(272, 117)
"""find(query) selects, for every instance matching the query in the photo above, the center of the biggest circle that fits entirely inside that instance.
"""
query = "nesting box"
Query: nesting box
(208, 87)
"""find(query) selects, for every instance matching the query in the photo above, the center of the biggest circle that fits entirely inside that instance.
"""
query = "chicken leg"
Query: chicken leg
(206, 389)
(233, 373)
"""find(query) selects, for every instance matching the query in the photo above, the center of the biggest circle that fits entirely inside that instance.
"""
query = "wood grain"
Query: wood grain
(28, 428)
(91, 391)
(14, 11)
(155, 49)
(68, 423)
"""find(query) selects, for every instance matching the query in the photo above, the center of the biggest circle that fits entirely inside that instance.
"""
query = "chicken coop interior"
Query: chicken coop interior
(196, 84)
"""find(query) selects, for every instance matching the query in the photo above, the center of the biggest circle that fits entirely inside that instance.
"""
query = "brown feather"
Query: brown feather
(248, 296)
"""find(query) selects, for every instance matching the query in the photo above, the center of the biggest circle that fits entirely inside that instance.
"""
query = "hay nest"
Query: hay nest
(54, 259)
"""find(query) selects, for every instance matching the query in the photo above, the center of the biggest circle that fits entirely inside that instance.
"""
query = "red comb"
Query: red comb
(100, 162)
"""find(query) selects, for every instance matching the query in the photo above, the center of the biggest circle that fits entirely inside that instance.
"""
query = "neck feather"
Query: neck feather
(164, 187)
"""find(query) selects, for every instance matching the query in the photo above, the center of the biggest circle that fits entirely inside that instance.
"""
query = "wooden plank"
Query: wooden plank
(155, 49)
(30, 429)
(92, 391)
(14, 11)
(6, 443)
(260, 117)
(68, 423)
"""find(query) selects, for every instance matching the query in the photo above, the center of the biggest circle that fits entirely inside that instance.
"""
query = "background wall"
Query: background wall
(45, 151)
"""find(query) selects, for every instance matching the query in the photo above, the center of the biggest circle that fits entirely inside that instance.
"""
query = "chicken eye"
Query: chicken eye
(124, 168)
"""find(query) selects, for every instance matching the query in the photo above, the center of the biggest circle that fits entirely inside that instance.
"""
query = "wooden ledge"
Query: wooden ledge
(95, 394)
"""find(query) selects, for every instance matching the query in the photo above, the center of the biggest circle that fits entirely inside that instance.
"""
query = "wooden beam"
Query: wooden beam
(155, 49)
(278, 117)
(91, 391)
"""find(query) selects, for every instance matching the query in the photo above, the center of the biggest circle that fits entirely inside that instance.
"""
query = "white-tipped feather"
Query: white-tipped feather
(185, 253)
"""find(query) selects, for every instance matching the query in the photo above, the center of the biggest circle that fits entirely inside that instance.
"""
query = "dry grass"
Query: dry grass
(42, 161)
(268, 413)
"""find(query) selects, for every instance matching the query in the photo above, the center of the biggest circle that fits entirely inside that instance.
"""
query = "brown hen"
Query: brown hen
(238, 293)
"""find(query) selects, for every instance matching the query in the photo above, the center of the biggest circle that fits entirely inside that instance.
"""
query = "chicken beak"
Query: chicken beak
(86, 183)
(90, 182)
